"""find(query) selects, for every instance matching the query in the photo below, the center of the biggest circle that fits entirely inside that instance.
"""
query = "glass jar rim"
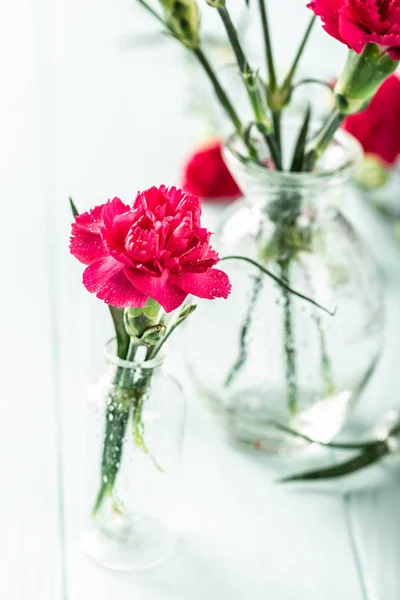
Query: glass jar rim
(113, 359)
(352, 158)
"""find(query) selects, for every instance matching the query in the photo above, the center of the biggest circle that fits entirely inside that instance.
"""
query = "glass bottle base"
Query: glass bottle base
(253, 419)
(129, 542)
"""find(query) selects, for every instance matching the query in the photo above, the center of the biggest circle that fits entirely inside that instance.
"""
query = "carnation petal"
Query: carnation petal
(211, 284)
(86, 242)
(188, 202)
(178, 241)
(351, 32)
(113, 208)
(106, 279)
(161, 289)
(394, 53)
(328, 10)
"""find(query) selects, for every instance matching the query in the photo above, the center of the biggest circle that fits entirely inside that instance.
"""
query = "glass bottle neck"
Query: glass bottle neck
(287, 195)
(136, 366)
(296, 206)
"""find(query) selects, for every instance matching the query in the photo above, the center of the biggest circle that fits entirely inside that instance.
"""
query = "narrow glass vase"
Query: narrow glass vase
(135, 421)
(266, 358)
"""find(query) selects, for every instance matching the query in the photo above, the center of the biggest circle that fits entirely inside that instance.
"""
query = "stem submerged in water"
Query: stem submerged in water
(289, 345)
(326, 367)
(117, 418)
(244, 333)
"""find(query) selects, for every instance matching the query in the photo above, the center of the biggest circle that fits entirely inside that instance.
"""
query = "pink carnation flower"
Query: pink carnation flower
(359, 22)
(153, 249)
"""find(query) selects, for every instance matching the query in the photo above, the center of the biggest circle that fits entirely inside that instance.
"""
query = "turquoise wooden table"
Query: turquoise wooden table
(75, 110)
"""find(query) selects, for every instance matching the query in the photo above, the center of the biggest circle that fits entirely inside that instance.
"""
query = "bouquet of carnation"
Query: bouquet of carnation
(143, 260)
(370, 31)
(289, 233)
(146, 260)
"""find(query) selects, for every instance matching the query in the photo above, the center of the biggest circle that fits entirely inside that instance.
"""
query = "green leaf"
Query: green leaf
(185, 312)
(368, 457)
(337, 445)
(280, 282)
(75, 211)
(117, 418)
(117, 315)
(299, 152)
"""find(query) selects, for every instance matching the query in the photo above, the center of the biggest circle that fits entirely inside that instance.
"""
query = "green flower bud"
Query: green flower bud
(138, 321)
(373, 173)
(216, 3)
(362, 76)
(184, 20)
(185, 312)
(153, 335)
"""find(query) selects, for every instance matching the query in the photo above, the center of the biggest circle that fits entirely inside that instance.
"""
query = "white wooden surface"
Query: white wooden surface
(82, 115)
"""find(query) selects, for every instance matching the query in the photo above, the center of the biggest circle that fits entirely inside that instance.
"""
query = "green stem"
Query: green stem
(126, 374)
(289, 345)
(151, 11)
(366, 458)
(277, 120)
(326, 367)
(141, 389)
(123, 340)
(283, 284)
(268, 47)
(333, 445)
(274, 147)
(117, 417)
(292, 71)
(244, 333)
(250, 79)
(220, 92)
(234, 40)
(314, 81)
(323, 140)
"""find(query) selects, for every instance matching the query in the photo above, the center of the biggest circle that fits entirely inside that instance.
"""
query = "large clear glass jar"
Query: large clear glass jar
(135, 422)
(266, 358)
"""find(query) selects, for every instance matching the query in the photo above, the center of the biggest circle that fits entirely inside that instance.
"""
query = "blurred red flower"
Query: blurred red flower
(207, 176)
(377, 128)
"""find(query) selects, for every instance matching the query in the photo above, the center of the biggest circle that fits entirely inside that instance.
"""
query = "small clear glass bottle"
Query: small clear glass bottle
(266, 359)
(134, 438)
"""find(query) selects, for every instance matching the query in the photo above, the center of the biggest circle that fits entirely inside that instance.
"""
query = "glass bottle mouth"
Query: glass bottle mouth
(110, 352)
(338, 164)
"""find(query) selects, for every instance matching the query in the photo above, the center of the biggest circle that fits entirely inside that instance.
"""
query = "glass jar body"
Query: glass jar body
(133, 450)
(270, 359)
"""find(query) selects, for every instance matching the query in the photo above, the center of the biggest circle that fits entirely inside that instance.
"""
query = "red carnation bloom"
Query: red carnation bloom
(359, 22)
(155, 248)
(378, 127)
(207, 176)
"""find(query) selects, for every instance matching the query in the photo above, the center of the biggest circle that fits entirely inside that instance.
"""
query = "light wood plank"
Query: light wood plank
(30, 565)
(376, 526)
(374, 513)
